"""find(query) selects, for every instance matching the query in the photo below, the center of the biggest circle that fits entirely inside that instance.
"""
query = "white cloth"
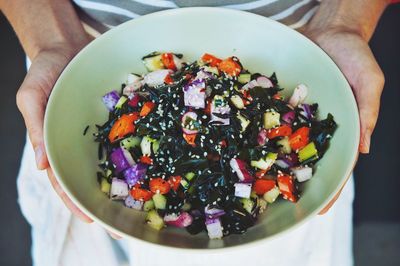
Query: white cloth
(58, 238)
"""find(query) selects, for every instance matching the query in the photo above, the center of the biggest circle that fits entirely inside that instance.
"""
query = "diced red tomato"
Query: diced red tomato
(147, 108)
(168, 79)
(174, 182)
(223, 143)
(247, 96)
(190, 139)
(134, 101)
(281, 131)
(299, 138)
(123, 126)
(141, 194)
(277, 96)
(168, 60)
(146, 159)
(287, 188)
(211, 60)
(159, 185)
(261, 173)
(263, 185)
(230, 66)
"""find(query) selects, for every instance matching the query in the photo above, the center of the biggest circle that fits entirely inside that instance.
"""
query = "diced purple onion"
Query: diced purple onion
(288, 118)
(290, 160)
(119, 189)
(133, 204)
(264, 82)
(156, 78)
(110, 100)
(302, 173)
(135, 173)
(240, 168)
(306, 110)
(282, 164)
(299, 95)
(249, 85)
(191, 115)
(262, 137)
(194, 94)
(122, 159)
(214, 228)
(243, 190)
(182, 220)
(203, 75)
(222, 110)
(213, 212)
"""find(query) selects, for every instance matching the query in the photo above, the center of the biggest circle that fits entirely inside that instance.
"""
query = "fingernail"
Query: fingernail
(39, 157)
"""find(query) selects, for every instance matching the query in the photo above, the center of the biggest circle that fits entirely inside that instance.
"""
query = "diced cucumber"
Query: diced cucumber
(265, 163)
(248, 204)
(285, 145)
(184, 183)
(105, 186)
(186, 206)
(271, 119)
(145, 145)
(244, 122)
(308, 152)
(237, 101)
(108, 173)
(244, 78)
(153, 63)
(154, 220)
(121, 101)
(189, 176)
(130, 142)
(270, 196)
(262, 203)
(160, 201)
(156, 146)
(148, 205)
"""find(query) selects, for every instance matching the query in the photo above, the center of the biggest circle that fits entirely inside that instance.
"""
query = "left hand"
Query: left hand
(350, 51)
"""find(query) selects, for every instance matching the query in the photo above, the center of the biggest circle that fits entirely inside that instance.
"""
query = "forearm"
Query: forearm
(45, 24)
(359, 16)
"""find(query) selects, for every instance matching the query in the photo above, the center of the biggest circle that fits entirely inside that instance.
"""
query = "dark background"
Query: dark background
(377, 203)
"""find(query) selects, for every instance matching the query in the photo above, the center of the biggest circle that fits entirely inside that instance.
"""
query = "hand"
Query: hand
(32, 99)
(351, 53)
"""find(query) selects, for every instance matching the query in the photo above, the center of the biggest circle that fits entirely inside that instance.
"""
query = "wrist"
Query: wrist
(355, 17)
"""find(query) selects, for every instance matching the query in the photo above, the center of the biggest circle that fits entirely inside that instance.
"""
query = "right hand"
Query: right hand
(32, 100)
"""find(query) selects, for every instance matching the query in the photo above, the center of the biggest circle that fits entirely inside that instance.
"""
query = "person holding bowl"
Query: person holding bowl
(53, 32)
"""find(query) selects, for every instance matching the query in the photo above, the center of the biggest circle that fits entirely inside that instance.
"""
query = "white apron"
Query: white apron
(58, 238)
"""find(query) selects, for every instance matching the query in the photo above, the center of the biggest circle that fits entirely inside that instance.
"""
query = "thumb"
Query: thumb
(368, 92)
(31, 101)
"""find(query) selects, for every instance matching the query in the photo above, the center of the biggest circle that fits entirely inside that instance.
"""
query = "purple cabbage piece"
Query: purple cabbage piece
(135, 173)
(290, 160)
(182, 220)
(212, 213)
(194, 94)
(110, 100)
(122, 160)
(288, 118)
(306, 111)
(119, 189)
(133, 204)
(214, 228)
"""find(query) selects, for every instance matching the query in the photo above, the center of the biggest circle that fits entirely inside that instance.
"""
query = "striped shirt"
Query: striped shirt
(102, 15)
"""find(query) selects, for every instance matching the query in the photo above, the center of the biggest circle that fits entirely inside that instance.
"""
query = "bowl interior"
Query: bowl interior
(262, 45)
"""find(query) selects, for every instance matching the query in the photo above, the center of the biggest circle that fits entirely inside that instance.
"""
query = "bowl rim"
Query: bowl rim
(222, 11)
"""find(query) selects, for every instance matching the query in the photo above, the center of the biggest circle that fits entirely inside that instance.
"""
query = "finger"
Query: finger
(368, 94)
(113, 235)
(31, 102)
(67, 201)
